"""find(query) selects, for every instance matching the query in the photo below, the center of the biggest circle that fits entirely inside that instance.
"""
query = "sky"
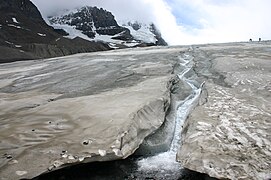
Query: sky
(185, 21)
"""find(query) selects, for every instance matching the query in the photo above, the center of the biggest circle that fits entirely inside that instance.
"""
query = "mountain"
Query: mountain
(92, 23)
(25, 35)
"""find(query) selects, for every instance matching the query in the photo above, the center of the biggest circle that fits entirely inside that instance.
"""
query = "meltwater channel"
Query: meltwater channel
(164, 164)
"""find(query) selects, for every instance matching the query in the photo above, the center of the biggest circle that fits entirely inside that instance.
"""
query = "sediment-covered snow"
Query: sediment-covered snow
(227, 135)
(81, 108)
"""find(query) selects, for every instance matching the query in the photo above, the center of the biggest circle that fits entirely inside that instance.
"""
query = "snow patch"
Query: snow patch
(73, 33)
(9, 42)
(40, 34)
(108, 39)
(11, 25)
(113, 45)
(15, 20)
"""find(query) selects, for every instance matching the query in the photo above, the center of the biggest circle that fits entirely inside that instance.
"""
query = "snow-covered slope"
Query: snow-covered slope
(140, 31)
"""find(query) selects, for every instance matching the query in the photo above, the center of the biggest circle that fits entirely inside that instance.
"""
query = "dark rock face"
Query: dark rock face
(92, 20)
(62, 32)
(160, 41)
(136, 26)
(106, 24)
(25, 7)
(25, 35)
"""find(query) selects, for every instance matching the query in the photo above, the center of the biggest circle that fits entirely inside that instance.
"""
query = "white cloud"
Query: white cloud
(121, 9)
(232, 20)
(210, 20)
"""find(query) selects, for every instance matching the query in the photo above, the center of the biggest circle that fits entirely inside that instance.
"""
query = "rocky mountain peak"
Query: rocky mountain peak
(93, 23)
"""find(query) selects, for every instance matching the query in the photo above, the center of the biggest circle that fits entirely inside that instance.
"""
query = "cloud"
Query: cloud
(234, 20)
(122, 9)
(186, 21)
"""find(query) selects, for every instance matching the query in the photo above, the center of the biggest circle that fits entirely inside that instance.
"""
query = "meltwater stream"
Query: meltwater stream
(164, 165)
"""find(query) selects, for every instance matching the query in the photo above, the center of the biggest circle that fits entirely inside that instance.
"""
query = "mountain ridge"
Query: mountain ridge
(25, 35)
(93, 23)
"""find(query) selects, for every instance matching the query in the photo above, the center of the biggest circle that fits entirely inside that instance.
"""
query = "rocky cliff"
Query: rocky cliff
(25, 35)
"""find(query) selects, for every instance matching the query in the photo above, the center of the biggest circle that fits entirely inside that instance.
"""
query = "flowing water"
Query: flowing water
(164, 165)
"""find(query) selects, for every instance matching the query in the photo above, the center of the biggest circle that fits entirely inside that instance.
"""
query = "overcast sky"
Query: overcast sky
(185, 21)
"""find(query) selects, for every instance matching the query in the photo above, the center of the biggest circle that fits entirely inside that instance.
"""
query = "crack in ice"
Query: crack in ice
(165, 163)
